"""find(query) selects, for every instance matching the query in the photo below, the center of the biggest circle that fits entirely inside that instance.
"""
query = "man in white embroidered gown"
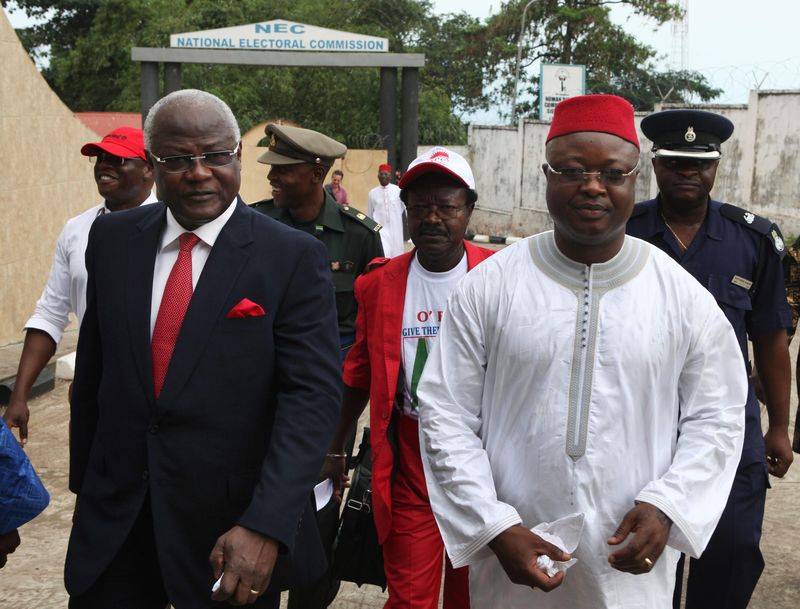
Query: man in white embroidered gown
(581, 371)
(385, 207)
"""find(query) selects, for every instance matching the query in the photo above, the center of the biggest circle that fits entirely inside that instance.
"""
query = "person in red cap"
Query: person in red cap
(124, 180)
(385, 207)
(583, 408)
(400, 301)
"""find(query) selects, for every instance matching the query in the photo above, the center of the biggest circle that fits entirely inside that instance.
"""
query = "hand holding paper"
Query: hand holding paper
(565, 533)
(518, 549)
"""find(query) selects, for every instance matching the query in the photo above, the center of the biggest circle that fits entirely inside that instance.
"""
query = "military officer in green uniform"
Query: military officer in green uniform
(791, 266)
(300, 160)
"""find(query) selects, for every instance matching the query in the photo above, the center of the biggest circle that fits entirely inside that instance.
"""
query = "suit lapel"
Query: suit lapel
(393, 296)
(224, 264)
(139, 291)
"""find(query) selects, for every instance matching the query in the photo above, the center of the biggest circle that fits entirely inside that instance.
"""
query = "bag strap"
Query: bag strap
(364, 452)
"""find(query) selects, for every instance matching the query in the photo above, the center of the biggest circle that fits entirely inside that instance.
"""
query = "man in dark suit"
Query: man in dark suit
(207, 386)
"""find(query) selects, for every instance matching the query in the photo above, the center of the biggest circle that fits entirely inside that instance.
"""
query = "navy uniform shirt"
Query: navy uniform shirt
(352, 241)
(724, 257)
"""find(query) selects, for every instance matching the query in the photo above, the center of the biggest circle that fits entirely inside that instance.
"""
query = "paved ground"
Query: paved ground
(33, 577)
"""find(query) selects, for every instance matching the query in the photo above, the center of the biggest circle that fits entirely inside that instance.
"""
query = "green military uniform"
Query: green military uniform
(350, 237)
(792, 276)
(352, 241)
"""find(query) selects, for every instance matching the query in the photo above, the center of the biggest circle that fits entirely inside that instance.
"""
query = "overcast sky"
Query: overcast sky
(737, 44)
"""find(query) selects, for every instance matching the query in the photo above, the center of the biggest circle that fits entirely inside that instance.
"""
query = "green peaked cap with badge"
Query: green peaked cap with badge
(292, 145)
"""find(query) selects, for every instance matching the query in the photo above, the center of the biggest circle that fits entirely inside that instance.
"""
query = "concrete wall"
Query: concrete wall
(44, 179)
(776, 165)
(760, 168)
(360, 168)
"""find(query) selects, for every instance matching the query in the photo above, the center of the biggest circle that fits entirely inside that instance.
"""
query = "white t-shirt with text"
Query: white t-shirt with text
(426, 297)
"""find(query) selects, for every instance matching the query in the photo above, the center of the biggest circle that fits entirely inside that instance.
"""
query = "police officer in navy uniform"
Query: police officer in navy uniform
(737, 256)
(300, 160)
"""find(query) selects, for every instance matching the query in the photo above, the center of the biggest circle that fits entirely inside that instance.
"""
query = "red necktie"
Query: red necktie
(174, 302)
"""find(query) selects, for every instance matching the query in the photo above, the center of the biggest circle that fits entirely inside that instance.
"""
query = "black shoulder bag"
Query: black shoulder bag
(357, 555)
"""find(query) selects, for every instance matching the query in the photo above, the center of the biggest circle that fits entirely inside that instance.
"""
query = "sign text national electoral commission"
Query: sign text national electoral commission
(279, 35)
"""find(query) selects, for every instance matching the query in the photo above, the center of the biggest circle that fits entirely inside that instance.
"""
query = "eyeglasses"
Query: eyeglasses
(111, 159)
(608, 177)
(447, 212)
(184, 162)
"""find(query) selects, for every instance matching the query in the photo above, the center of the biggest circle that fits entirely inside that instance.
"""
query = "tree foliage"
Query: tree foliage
(88, 45)
(581, 32)
(470, 64)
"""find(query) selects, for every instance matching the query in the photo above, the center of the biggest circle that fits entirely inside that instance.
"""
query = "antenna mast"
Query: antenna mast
(680, 39)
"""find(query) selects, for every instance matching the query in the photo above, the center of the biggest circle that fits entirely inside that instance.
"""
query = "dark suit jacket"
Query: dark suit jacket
(246, 412)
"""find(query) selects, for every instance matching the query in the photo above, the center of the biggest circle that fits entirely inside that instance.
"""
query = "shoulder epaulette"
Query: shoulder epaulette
(376, 263)
(759, 224)
(363, 218)
(267, 207)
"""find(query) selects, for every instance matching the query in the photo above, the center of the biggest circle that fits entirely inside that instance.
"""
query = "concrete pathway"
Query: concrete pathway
(32, 579)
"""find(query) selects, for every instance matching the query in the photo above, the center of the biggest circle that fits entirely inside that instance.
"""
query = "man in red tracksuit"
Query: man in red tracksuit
(400, 303)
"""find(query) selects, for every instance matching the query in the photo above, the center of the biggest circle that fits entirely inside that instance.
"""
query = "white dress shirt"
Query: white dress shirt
(555, 388)
(65, 291)
(169, 247)
(385, 207)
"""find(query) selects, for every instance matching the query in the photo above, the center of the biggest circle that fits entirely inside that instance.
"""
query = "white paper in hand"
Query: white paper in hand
(217, 584)
(323, 493)
(565, 533)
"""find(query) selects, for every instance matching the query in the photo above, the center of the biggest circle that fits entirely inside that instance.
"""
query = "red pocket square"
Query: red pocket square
(246, 308)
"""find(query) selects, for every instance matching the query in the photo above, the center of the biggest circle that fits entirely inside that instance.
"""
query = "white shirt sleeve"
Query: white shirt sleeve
(457, 470)
(52, 310)
(371, 202)
(712, 393)
(65, 291)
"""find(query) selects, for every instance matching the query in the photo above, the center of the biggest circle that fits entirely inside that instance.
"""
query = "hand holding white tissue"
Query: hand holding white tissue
(566, 534)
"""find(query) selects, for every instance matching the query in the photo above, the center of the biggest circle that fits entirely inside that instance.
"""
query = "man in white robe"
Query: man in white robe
(581, 371)
(385, 207)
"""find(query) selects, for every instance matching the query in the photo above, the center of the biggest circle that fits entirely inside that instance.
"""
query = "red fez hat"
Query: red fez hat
(385, 167)
(603, 113)
(125, 142)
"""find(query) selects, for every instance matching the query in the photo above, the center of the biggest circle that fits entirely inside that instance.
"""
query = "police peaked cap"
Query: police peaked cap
(293, 145)
(687, 133)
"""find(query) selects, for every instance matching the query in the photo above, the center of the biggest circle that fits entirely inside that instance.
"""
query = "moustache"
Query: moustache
(432, 233)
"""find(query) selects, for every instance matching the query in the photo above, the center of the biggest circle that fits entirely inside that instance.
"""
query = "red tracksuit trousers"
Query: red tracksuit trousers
(412, 553)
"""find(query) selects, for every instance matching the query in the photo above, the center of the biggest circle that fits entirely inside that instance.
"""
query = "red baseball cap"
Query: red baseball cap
(602, 113)
(125, 142)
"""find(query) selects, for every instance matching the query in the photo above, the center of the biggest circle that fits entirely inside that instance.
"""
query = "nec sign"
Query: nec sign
(276, 27)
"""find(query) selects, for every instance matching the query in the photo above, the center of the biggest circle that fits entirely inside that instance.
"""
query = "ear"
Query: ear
(319, 172)
(148, 173)
(468, 210)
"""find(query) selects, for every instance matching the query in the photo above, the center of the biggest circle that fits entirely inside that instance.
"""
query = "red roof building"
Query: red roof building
(104, 122)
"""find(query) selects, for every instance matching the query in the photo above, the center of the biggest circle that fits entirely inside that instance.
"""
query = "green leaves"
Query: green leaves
(581, 32)
(470, 64)
(90, 68)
